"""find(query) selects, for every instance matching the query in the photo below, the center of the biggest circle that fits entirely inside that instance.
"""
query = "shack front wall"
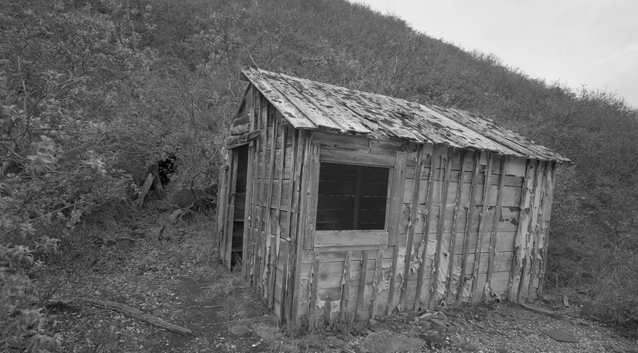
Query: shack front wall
(441, 204)
(271, 213)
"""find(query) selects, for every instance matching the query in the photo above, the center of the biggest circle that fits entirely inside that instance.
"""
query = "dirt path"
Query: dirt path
(210, 320)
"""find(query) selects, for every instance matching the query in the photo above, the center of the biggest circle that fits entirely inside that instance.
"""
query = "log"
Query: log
(147, 185)
(138, 314)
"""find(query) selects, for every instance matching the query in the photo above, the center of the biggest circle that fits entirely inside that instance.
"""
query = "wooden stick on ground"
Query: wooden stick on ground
(138, 314)
(147, 185)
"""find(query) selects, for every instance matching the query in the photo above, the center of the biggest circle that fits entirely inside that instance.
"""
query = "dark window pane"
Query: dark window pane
(351, 197)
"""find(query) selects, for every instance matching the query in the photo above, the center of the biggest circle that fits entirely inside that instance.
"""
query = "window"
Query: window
(351, 197)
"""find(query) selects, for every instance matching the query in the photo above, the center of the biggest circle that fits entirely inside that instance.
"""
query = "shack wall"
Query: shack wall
(276, 154)
(430, 253)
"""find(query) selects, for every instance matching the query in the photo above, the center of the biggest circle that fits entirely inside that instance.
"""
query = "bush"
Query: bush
(22, 326)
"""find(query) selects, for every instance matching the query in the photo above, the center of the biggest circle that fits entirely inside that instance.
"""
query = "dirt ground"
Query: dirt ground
(171, 272)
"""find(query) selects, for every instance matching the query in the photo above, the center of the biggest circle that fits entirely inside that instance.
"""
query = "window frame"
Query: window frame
(367, 239)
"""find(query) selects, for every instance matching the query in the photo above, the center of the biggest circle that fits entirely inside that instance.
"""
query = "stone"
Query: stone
(239, 330)
(425, 325)
(501, 350)
(455, 340)
(266, 332)
(439, 326)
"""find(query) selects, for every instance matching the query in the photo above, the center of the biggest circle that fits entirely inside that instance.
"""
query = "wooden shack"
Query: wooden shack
(342, 204)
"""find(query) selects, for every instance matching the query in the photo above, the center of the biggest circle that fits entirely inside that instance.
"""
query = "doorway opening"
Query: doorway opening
(239, 208)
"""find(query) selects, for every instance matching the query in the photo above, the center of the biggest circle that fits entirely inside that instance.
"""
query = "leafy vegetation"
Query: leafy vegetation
(92, 91)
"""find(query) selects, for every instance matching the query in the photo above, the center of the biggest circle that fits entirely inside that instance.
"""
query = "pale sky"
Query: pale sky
(574, 42)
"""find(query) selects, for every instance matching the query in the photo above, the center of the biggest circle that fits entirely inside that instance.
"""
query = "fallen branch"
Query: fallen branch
(147, 186)
(138, 314)
(540, 310)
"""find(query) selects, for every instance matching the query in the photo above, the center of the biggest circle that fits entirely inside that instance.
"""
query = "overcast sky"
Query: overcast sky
(574, 42)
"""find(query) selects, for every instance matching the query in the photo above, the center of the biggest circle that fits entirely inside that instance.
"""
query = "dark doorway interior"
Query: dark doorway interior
(240, 203)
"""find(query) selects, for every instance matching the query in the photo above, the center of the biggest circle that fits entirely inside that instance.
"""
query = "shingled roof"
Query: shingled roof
(320, 106)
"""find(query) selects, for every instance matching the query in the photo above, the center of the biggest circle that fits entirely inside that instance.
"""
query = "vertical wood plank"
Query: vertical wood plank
(311, 197)
(482, 214)
(259, 231)
(521, 230)
(412, 221)
(468, 225)
(314, 284)
(494, 232)
(247, 215)
(437, 279)
(362, 284)
(457, 198)
(535, 227)
(375, 284)
(550, 177)
(429, 199)
(224, 208)
(304, 163)
(295, 189)
(398, 185)
(393, 273)
(273, 279)
(526, 250)
(221, 220)
(269, 261)
(345, 286)
(327, 310)
(394, 219)
(253, 234)
(231, 210)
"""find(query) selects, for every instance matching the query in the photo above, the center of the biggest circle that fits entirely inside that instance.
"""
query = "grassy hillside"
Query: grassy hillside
(93, 91)
(593, 241)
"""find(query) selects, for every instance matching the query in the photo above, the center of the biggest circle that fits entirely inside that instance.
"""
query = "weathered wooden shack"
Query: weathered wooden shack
(341, 204)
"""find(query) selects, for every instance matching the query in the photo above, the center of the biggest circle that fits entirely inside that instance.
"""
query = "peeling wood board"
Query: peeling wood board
(301, 209)
(411, 222)
(337, 238)
(357, 157)
(468, 224)
(283, 105)
(521, 233)
(316, 116)
(319, 97)
(482, 217)
(439, 271)
(434, 158)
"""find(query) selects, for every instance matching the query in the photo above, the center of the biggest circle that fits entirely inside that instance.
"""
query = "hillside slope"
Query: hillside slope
(94, 90)
(593, 241)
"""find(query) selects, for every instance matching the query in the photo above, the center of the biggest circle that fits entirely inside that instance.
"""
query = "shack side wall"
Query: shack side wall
(431, 253)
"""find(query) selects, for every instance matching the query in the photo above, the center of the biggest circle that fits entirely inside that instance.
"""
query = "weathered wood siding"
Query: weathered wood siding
(460, 225)
(275, 159)
(442, 203)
